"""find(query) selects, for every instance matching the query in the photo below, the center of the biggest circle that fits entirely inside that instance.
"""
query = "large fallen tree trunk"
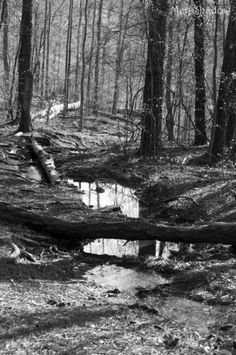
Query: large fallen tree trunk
(72, 233)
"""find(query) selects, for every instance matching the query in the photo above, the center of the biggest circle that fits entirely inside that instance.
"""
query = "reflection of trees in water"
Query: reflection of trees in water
(116, 194)
(113, 247)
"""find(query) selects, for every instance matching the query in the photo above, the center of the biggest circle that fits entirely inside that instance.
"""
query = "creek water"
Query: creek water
(111, 194)
(114, 194)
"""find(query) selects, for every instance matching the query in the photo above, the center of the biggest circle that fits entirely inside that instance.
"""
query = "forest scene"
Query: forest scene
(117, 176)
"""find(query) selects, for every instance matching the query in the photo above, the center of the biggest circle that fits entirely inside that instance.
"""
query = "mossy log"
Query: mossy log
(72, 233)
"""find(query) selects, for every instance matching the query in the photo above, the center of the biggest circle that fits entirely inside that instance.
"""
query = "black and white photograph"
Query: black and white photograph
(118, 177)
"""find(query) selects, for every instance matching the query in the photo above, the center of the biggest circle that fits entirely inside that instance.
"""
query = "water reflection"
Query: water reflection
(113, 195)
(123, 278)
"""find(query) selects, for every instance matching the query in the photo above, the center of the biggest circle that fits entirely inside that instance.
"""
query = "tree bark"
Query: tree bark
(97, 59)
(72, 233)
(25, 81)
(214, 72)
(5, 49)
(90, 59)
(47, 83)
(68, 58)
(45, 161)
(200, 96)
(169, 105)
(44, 37)
(226, 102)
(153, 89)
(82, 79)
(119, 56)
(77, 62)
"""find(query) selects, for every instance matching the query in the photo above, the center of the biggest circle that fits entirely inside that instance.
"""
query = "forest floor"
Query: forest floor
(67, 302)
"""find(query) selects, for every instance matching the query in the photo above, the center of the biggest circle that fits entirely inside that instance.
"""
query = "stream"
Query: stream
(103, 194)
(114, 194)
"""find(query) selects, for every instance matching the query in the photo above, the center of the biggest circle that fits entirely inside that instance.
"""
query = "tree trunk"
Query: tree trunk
(83, 66)
(44, 37)
(200, 95)
(97, 59)
(47, 87)
(226, 102)
(68, 58)
(77, 63)
(5, 49)
(25, 80)
(45, 161)
(214, 72)
(169, 105)
(119, 51)
(153, 89)
(72, 233)
(88, 95)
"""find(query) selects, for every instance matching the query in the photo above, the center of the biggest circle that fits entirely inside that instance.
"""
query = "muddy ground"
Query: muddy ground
(66, 302)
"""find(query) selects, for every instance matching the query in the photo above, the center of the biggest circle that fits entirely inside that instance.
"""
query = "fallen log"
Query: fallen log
(54, 110)
(72, 233)
(45, 161)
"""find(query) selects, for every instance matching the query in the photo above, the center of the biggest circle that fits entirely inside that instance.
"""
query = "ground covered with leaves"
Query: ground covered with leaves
(67, 302)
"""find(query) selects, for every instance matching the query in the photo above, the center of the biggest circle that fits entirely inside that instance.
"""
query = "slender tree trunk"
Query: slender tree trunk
(47, 89)
(118, 60)
(169, 106)
(83, 65)
(77, 65)
(58, 80)
(153, 89)
(68, 58)
(200, 95)
(44, 49)
(88, 95)
(214, 72)
(36, 46)
(181, 53)
(97, 59)
(103, 77)
(25, 80)
(226, 102)
(5, 47)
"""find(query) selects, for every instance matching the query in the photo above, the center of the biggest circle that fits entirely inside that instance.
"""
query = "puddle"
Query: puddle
(109, 194)
(113, 194)
(112, 276)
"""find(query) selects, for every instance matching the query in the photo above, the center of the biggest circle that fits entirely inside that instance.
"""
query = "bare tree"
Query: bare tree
(226, 103)
(5, 45)
(200, 95)
(68, 58)
(169, 64)
(83, 65)
(153, 89)
(97, 58)
(77, 62)
(25, 80)
(90, 60)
